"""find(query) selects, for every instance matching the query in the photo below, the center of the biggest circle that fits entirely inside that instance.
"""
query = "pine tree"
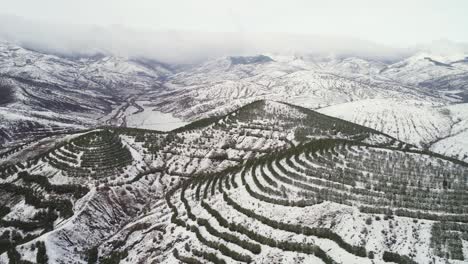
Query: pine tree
(41, 256)
(93, 255)
(13, 256)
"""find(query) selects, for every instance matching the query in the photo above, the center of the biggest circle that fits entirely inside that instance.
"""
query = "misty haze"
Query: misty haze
(247, 131)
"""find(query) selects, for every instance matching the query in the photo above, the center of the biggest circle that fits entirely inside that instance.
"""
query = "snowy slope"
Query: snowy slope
(439, 128)
(99, 72)
(444, 74)
(108, 89)
(411, 121)
(125, 170)
(408, 99)
(422, 67)
(47, 92)
(456, 143)
(220, 85)
(256, 213)
(139, 188)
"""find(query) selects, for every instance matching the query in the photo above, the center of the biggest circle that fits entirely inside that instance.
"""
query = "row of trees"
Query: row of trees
(78, 191)
(211, 257)
(183, 259)
(298, 229)
(228, 237)
(397, 258)
(14, 256)
(283, 245)
(51, 207)
(252, 247)
(102, 154)
(220, 247)
(63, 206)
(391, 192)
(284, 202)
(446, 239)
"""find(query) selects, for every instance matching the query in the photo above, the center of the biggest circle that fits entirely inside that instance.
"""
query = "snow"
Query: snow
(67, 92)
(411, 121)
(388, 98)
(456, 144)
(424, 66)
(156, 120)
(141, 114)
(441, 128)
(21, 210)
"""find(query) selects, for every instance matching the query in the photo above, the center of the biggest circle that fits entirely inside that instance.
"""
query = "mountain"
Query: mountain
(440, 128)
(267, 182)
(445, 74)
(219, 86)
(390, 97)
(49, 94)
(300, 207)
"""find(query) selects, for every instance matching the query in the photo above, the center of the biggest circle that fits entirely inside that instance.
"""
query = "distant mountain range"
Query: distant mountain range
(263, 159)
(48, 94)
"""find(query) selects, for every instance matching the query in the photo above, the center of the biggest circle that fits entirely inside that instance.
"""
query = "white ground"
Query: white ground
(444, 129)
(150, 119)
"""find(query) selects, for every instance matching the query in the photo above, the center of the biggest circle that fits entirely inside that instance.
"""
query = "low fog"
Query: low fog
(184, 47)
(179, 46)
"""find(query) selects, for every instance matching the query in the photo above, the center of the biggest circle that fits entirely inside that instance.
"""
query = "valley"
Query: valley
(239, 159)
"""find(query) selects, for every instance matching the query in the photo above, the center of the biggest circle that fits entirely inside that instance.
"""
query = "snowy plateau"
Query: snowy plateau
(270, 158)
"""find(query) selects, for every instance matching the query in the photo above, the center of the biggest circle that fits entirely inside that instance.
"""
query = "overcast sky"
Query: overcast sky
(396, 23)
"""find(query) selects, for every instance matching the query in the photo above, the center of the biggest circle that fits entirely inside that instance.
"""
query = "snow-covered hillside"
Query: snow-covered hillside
(219, 86)
(98, 72)
(456, 143)
(439, 128)
(414, 122)
(47, 93)
(408, 99)
(444, 74)
(120, 173)
(268, 182)
(100, 162)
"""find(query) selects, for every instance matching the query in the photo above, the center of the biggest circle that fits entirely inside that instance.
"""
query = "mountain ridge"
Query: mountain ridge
(160, 164)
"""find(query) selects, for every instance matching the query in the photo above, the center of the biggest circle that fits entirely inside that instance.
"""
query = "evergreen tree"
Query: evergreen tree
(41, 256)
(93, 255)
(13, 256)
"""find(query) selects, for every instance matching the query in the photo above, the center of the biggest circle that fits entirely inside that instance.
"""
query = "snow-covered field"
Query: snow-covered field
(152, 119)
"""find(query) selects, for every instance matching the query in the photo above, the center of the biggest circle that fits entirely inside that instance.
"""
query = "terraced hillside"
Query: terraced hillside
(96, 154)
(216, 143)
(146, 193)
(328, 201)
(31, 206)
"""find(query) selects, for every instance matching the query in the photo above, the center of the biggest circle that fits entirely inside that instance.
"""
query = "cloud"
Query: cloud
(180, 46)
